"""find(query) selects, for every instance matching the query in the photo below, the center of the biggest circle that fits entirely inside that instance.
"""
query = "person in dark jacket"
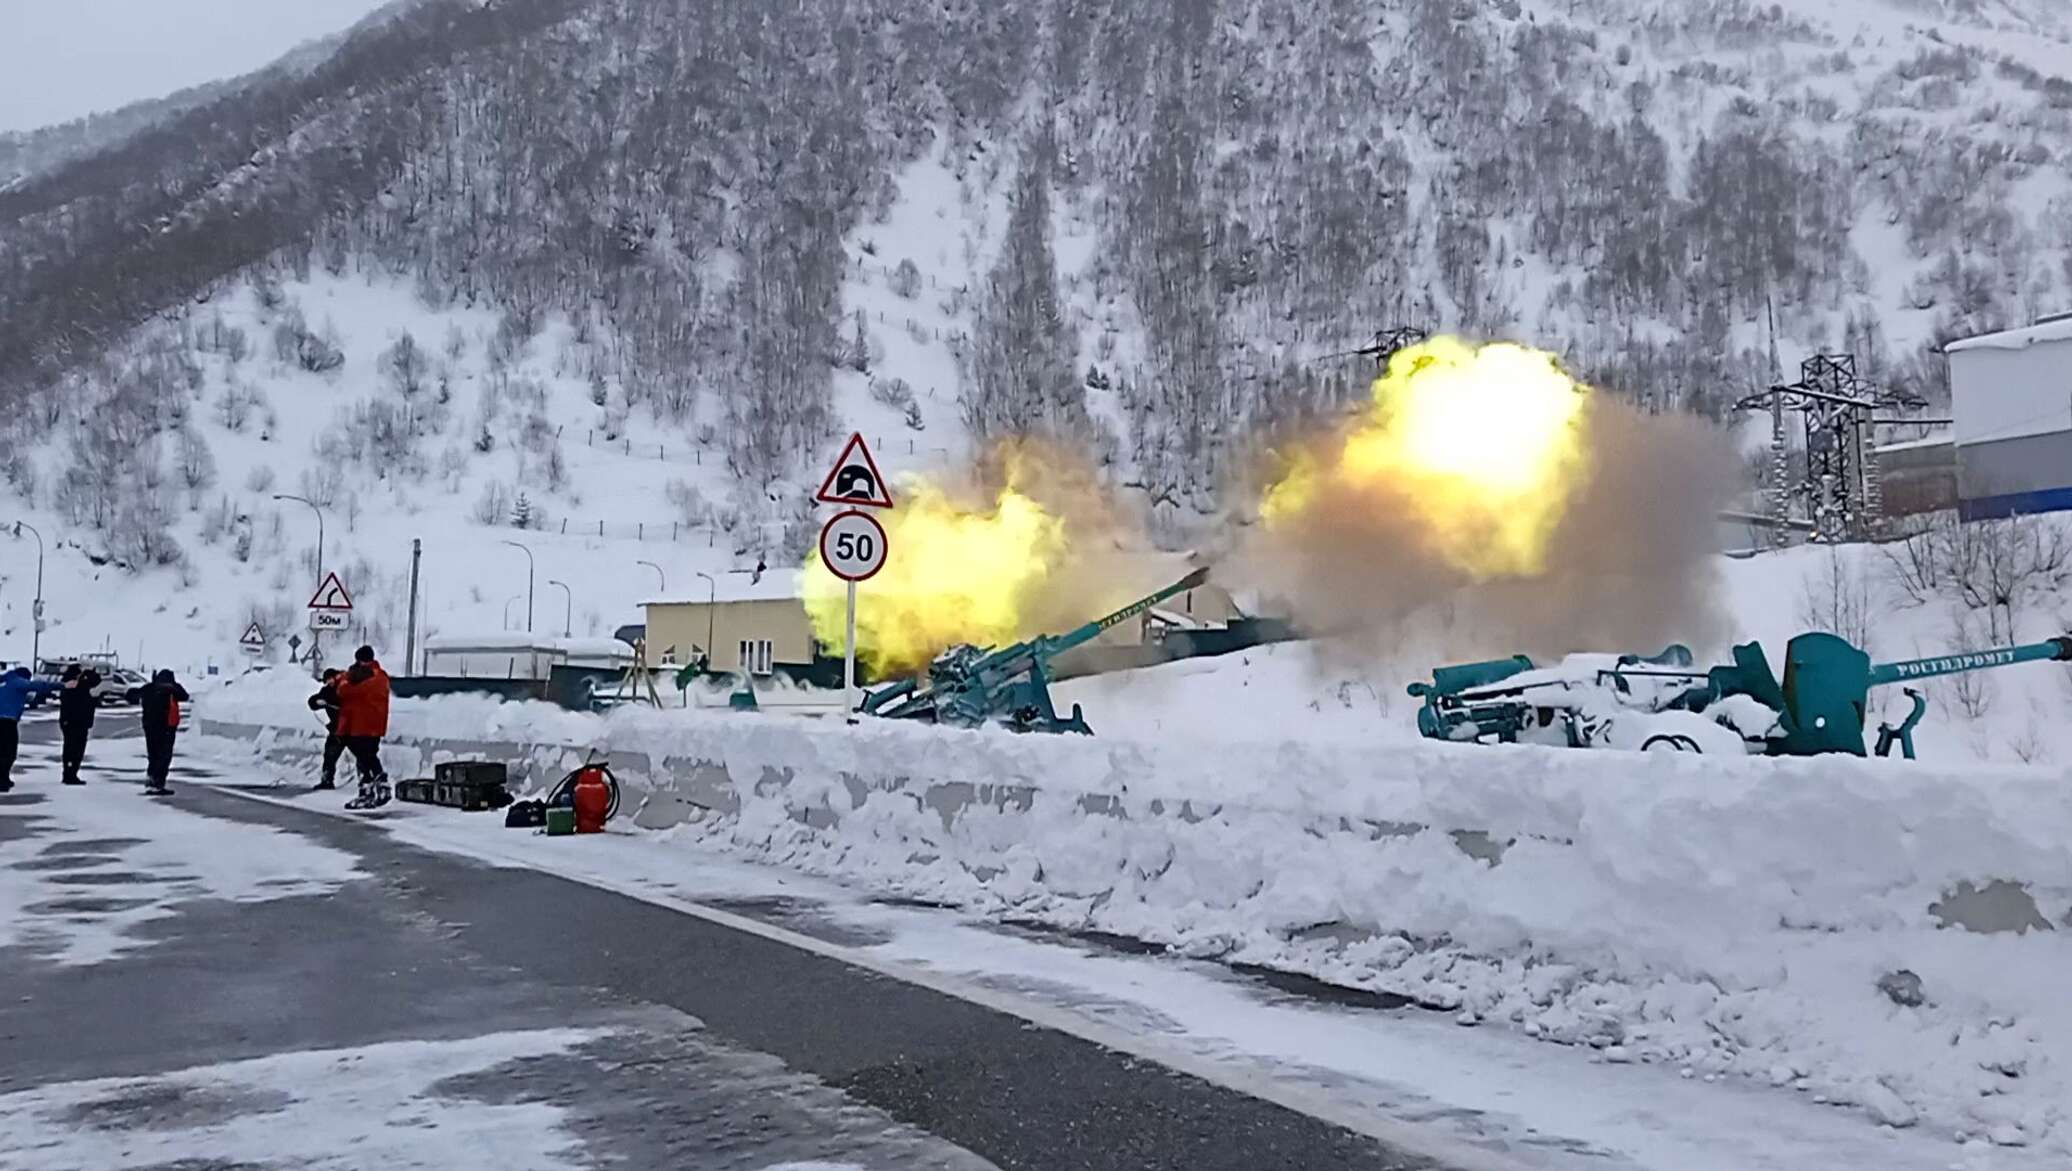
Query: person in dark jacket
(16, 687)
(160, 700)
(326, 701)
(363, 707)
(77, 704)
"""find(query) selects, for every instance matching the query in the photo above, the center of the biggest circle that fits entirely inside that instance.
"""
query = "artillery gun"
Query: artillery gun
(1594, 701)
(970, 686)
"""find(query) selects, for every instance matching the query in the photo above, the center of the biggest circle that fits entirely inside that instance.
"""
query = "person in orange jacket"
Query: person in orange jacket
(363, 706)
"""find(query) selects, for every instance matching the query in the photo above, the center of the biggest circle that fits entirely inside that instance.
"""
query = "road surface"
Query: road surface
(211, 982)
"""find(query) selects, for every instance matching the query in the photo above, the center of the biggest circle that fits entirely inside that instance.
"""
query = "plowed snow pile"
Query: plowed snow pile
(1797, 922)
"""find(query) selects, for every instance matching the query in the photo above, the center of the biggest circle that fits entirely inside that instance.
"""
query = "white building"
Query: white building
(2011, 399)
(519, 655)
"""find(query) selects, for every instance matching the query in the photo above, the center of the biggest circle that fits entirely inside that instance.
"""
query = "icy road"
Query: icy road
(241, 977)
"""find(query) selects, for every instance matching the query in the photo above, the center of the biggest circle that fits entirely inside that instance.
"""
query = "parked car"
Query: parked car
(117, 683)
(120, 685)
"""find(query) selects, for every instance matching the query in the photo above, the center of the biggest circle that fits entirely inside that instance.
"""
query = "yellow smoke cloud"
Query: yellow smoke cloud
(1481, 447)
(954, 573)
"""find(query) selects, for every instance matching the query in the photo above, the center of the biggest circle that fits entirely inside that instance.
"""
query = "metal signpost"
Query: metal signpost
(330, 608)
(852, 543)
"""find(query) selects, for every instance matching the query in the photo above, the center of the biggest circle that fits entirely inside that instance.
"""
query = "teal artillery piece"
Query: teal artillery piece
(969, 686)
(1821, 703)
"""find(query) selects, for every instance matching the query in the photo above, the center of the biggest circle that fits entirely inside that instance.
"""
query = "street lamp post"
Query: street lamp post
(528, 582)
(568, 611)
(318, 509)
(711, 609)
(662, 579)
(36, 615)
(507, 609)
(315, 636)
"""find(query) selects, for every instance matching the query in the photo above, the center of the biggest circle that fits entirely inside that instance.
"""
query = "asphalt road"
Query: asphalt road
(705, 1047)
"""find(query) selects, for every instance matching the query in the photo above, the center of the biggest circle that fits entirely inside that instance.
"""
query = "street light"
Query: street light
(568, 607)
(528, 582)
(319, 510)
(507, 609)
(316, 637)
(36, 620)
(711, 608)
(663, 583)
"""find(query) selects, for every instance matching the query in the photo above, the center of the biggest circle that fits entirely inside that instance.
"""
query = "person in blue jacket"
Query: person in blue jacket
(15, 689)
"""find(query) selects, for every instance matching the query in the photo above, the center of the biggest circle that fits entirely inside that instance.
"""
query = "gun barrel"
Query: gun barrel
(2058, 649)
(1092, 630)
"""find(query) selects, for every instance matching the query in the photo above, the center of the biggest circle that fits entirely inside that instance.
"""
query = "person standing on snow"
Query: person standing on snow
(77, 705)
(326, 701)
(15, 689)
(160, 700)
(363, 705)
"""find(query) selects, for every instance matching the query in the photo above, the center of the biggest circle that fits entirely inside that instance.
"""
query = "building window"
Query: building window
(756, 656)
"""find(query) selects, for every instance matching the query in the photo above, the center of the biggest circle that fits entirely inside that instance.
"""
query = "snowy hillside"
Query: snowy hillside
(633, 296)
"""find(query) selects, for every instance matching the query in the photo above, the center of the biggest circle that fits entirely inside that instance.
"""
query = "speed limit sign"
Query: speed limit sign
(852, 546)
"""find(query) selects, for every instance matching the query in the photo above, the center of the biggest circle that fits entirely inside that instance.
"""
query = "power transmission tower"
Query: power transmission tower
(1841, 492)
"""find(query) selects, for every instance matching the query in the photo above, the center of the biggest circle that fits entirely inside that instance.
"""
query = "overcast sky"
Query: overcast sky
(60, 59)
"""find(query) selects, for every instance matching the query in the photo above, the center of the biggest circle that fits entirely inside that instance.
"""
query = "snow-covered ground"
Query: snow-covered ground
(1488, 1094)
(373, 1106)
(147, 859)
(1744, 920)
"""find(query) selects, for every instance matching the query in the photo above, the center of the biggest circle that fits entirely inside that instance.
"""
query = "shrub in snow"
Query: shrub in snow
(906, 280)
(193, 460)
(688, 502)
(405, 367)
(893, 392)
(493, 507)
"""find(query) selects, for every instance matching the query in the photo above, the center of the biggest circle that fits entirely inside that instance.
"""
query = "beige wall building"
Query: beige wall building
(752, 625)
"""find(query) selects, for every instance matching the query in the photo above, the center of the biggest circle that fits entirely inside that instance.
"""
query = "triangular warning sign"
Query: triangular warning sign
(253, 636)
(855, 479)
(331, 595)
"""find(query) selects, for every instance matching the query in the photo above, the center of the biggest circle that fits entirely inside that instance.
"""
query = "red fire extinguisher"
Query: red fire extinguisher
(593, 799)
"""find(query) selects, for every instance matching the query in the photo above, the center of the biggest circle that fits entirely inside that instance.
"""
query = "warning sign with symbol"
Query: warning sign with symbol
(254, 640)
(855, 480)
(332, 596)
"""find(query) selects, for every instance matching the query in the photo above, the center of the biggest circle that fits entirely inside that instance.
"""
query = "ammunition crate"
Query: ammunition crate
(473, 773)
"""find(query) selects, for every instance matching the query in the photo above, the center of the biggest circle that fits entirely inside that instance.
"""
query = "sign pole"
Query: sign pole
(849, 662)
(852, 545)
(410, 645)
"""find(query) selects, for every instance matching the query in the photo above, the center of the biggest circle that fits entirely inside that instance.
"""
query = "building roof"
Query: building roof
(1939, 439)
(521, 642)
(2054, 329)
(777, 585)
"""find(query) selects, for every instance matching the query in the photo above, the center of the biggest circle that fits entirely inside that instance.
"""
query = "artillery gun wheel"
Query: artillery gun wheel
(1671, 742)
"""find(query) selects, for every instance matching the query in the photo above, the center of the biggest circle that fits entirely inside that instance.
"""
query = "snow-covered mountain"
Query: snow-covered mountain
(641, 266)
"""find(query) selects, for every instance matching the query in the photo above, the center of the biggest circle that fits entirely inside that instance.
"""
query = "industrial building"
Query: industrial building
(755, 623)
(2011, 401)
(520, 656)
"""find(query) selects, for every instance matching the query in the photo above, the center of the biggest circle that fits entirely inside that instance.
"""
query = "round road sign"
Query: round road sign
(852, 545)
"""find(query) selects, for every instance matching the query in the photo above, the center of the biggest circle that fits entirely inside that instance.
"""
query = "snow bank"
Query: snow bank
(1875, 933)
